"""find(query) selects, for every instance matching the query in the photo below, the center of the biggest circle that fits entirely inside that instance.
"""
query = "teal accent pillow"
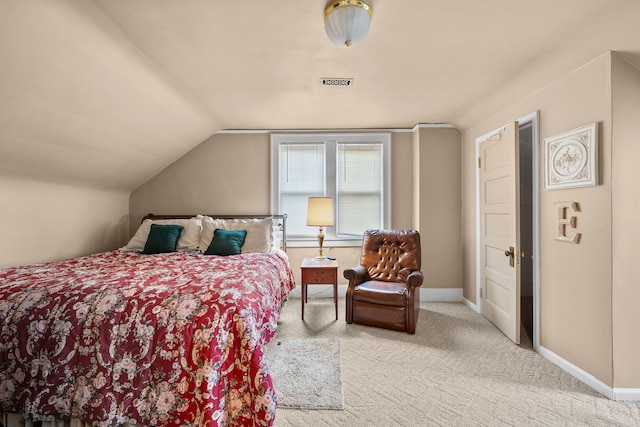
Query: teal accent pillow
(162, 238)
(226, 242)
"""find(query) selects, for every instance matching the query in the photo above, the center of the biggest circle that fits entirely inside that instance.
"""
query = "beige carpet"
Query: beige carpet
(458, 370)
(306, 373)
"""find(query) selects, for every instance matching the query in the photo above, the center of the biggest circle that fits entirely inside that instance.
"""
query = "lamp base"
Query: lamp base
(320, 257)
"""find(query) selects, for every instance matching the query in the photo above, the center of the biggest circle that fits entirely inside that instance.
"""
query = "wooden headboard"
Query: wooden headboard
(278, 220)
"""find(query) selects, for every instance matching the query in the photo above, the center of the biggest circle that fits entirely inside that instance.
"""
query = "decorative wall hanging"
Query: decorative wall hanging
(571, 158)
(567, 222)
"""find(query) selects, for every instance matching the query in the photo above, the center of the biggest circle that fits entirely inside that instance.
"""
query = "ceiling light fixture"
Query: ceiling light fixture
(347, 21)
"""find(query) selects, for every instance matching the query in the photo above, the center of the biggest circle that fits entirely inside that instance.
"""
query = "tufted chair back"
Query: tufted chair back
(390, 255)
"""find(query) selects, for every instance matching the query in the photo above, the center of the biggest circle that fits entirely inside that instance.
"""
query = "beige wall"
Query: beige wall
(48, 222)
(575, 288)
(626, 232)
(437, 153)
(229, 174)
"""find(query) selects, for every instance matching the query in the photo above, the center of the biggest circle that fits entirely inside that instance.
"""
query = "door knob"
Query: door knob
(510, 254)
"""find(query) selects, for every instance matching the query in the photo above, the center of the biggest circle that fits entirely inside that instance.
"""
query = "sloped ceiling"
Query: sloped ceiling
(109, 92)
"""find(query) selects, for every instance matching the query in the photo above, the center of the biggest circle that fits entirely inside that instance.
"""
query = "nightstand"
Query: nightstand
(316, 272)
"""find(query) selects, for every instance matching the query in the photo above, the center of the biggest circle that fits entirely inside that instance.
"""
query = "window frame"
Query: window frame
(331, 141)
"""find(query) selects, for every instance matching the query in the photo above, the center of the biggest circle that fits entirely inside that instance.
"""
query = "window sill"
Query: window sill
(305, 243)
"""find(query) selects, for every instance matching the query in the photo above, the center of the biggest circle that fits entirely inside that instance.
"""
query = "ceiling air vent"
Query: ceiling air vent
(337, 82)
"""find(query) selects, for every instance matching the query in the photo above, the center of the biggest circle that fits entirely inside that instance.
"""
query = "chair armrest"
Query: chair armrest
(415, 279)
(355, 275)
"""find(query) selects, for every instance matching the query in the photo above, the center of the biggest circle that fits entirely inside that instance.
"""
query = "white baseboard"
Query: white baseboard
(319, 291)
(426, 294)
(626, 394)
(441, 294)
(471, 305)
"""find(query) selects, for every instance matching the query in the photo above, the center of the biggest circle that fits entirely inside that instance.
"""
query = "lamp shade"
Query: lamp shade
(320, 211)
(347, 21)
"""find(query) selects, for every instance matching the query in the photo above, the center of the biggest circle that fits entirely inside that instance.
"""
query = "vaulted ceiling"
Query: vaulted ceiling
(109, 92)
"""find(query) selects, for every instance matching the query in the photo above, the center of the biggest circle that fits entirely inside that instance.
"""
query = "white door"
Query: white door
(500, 230)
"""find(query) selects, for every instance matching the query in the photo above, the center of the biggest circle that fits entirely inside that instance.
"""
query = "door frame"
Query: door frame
(534, 119)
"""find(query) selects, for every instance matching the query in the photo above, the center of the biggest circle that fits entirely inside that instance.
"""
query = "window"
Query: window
(353, 169)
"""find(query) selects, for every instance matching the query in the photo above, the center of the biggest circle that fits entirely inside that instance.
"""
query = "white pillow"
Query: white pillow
(209, 226)
(189, 237)
(259, 232)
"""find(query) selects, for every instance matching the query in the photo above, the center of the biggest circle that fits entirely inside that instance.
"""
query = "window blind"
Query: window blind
(359, 188)
(301, 175)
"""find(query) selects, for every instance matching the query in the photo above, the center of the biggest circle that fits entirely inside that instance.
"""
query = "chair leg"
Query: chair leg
(349, 308)
(411, 328)
(411, 318)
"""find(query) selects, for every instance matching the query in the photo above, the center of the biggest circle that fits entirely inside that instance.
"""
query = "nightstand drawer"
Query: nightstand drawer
(319, 276)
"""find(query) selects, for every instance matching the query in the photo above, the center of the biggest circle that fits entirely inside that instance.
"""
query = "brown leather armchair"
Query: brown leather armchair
(384, 290)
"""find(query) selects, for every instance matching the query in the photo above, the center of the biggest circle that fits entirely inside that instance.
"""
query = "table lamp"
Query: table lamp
(320, 214)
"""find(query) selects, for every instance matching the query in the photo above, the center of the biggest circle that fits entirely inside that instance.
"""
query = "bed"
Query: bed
(163, 338)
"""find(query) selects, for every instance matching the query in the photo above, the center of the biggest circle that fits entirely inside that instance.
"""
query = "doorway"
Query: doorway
(526, 229)
(529, 226)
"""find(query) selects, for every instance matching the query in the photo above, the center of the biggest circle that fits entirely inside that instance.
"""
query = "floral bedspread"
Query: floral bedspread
(167, 340)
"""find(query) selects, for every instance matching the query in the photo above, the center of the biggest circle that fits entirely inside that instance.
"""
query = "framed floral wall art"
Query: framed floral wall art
(571, 158)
